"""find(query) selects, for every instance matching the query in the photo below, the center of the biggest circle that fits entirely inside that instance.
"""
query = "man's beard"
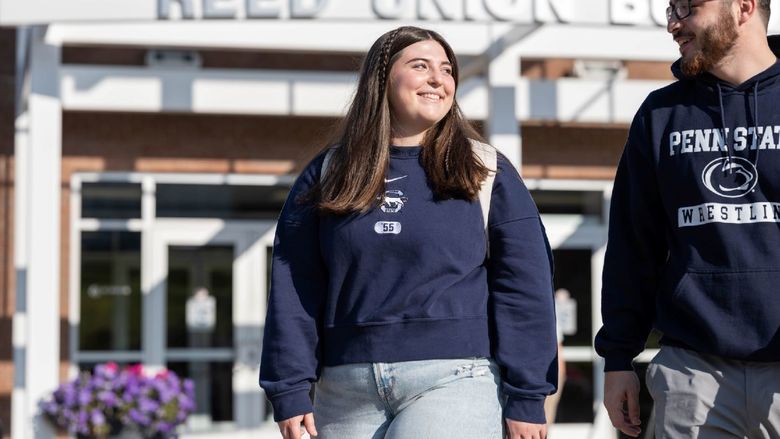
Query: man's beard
(714, 43)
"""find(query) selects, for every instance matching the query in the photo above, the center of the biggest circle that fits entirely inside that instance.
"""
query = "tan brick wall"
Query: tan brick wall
(572, 151)
(280, 145)
(554, 68)
(649, 70)
(546, 68)
(189, 143)
(219, 59)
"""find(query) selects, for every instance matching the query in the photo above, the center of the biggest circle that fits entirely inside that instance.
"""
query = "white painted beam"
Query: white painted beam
(205, 91)
(584, 100)
(629, 43)
(649, 43)
(468, 38)
(214, 91)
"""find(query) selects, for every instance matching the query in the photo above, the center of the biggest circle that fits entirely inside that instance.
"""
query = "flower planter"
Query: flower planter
(122, 404)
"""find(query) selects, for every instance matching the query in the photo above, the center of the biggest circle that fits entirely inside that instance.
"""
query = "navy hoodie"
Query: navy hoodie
(694, 235)
(407, 281)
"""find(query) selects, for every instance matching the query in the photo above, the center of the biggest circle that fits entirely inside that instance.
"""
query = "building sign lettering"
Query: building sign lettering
(603, 12)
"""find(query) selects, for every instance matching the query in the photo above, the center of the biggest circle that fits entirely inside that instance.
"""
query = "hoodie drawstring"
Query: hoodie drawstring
(727, 144)
(755, 122)
(727, 163)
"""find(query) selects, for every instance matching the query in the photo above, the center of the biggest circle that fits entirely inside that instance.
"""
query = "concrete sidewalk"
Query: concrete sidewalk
(268, 430)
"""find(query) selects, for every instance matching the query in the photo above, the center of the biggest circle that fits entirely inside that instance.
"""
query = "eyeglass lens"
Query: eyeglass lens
(680, 10)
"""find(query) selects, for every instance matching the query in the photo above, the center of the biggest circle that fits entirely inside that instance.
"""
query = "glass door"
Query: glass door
(199, 345)
(206, 283)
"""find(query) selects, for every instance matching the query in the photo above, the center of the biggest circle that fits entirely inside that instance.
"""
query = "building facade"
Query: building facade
(146, 148)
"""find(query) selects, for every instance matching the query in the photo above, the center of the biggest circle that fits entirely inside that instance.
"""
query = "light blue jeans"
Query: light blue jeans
(412, 399)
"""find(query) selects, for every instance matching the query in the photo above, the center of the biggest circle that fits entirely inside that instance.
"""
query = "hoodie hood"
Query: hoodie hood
(754, 86)
(765, 78)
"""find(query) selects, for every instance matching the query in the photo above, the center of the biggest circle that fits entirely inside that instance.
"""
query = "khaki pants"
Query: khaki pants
(700, 396)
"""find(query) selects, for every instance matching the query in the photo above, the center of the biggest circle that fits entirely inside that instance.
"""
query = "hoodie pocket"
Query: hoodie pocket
(734, 314)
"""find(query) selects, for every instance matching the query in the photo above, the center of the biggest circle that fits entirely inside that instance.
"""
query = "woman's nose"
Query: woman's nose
(435, 77)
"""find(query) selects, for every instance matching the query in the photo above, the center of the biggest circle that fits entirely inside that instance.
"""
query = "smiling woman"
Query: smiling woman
(421, 90)
(382, 293)
(405, 97)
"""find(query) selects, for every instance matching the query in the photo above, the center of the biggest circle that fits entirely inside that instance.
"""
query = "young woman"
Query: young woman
(384, 290)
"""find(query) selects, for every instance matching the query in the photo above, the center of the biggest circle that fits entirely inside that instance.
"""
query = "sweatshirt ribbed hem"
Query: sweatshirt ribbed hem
(406, 341)
(291, 404)
(618, 361)
(525, 410)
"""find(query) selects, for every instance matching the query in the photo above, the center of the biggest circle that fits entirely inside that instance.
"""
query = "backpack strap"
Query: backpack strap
(326, 163)
(489, 157)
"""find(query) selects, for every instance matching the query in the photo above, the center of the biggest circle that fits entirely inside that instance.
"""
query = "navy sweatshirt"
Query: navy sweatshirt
(694, 232)
(409, 281)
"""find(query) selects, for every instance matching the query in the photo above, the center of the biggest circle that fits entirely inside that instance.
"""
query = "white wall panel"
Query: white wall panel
(327, 93)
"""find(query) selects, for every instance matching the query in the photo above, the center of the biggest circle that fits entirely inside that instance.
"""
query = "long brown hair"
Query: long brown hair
(355, 178)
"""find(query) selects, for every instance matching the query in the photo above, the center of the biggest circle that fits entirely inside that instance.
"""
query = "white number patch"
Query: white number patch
(387, 227)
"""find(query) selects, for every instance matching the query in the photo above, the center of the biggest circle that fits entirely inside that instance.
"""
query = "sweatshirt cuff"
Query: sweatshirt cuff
(525, 410)
(618, 361)
(291, 404)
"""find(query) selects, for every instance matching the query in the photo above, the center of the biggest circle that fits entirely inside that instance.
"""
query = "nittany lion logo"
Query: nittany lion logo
(730, 177)
(393, 202)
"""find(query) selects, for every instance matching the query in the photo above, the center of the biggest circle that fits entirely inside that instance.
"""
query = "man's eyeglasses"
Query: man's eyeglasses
(680, 10)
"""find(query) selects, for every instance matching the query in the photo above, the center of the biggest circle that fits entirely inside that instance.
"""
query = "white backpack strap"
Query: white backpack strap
(326, 163)
(487, 154)
(489, 157)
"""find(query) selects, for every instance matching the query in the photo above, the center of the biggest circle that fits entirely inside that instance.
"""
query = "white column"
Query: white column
(249, 287)
(154, 274)
(74, 270)
(19, 330)
(19, 421)
(503, 75)
(42, 174)
(602, 427)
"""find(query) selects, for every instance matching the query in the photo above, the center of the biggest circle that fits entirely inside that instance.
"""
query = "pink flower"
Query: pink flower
(136, 369)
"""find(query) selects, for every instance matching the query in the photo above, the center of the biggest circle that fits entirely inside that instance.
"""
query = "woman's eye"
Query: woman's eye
(419, 66)
(447, 71)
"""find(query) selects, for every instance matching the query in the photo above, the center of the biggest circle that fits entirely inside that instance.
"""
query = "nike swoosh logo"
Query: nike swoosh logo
(389, 180)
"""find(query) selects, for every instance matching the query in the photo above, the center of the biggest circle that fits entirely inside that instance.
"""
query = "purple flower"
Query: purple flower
(139, 418)
(82, 422)
(85, 396)
(69, 395)
(148, 405)
(97, 417)
(108, 398)
(94, 404)
(165, 427)
(49, 407)
(167, 394)
(189, 387)
(186, 403)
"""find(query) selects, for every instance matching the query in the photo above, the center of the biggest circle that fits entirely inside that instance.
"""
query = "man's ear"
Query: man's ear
(747, 9)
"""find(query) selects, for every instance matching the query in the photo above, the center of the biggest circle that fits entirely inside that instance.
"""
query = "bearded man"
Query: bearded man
(694, 236)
